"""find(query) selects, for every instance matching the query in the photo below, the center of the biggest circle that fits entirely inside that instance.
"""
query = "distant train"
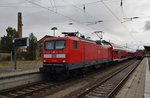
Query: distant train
(139, 54)
(63, 55)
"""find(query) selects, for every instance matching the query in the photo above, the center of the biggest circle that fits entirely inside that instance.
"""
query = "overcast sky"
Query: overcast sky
(39, 16)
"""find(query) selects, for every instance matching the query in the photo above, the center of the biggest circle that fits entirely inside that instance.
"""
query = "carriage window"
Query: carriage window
(75, 44)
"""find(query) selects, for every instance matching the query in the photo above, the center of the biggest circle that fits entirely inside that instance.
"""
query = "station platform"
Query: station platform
(138, 84)
(9, 71)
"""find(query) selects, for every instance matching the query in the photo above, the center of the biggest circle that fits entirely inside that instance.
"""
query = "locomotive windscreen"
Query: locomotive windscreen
(52, 45)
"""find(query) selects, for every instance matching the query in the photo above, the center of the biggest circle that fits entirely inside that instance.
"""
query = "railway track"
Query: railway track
(38, 89)
(110, 85)
(35, 90)
(23, 91)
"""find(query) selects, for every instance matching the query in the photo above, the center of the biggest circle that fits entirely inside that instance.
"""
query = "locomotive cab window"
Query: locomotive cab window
(51, 45)
(60, 44)
(75, 44)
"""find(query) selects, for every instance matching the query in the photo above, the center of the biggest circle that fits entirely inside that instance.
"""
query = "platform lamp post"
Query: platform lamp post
(54, 28)
(13, 53)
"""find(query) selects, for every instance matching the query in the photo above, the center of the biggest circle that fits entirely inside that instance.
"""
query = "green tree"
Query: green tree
(33, 46)
(11, 32)
(0, 45)
(6, 41)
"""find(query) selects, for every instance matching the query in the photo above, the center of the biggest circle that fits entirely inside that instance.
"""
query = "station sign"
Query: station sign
(18, 42)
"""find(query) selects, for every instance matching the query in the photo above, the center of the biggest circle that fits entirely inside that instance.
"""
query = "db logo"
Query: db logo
(53, 51)
(53, 55)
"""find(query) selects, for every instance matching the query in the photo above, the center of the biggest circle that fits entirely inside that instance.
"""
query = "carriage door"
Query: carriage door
(83, 54)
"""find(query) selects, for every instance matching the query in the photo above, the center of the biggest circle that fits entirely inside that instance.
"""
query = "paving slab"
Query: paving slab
(10, 71)
(147, 80)
(135, 85)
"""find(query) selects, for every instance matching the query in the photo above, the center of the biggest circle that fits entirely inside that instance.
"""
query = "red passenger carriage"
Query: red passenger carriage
(139, 54)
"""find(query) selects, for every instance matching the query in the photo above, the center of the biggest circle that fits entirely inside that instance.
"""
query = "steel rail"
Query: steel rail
(118, 87)
(107, 78)
(33, 88)
(27, 89)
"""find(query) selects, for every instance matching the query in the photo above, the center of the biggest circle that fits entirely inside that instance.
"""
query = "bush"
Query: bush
(21, 55)
(5, 56)
(30, 55)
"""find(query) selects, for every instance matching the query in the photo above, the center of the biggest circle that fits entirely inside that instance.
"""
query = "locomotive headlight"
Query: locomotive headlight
(47, 55)
(44, 60)
(64, 61)
(60, 55)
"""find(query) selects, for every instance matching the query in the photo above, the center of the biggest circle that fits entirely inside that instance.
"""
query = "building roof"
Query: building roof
(147, 47)
(46, 36)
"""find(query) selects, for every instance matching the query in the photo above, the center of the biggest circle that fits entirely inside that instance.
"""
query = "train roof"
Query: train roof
(103, 42)
(117, 47)
(78, 39)
(61, 38)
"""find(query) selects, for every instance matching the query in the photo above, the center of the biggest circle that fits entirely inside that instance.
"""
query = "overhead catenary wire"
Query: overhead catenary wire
(51, 4)
(53, 11)
(80, 9)
(89, 3)
(90, 14)
(14, 6)
(96, 21)
(117, 18)
(110, 11)
(7, 5)
(55, 5)
(119, 21)
(59, 14)
(70, 18)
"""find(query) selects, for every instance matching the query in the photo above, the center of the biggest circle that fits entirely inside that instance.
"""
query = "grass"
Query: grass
(20, 63)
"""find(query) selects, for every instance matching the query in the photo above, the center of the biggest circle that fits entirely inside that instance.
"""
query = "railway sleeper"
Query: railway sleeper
(2, 96)
(103, 89)
(12, 94)
(88, 96)
(20, 92)
(33, 88)
(93, 96)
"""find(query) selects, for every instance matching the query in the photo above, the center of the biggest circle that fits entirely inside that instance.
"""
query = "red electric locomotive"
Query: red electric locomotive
(61, 55)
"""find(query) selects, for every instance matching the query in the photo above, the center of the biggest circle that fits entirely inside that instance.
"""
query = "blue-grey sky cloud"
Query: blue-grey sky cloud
(147, 25)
